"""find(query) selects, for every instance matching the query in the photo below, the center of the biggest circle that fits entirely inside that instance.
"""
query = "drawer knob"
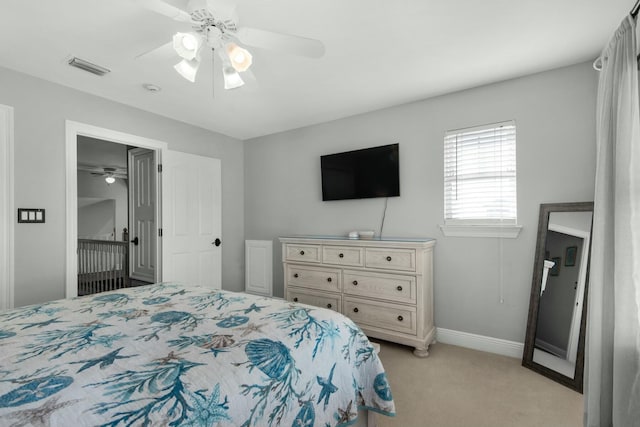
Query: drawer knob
(355, 283)
(295, 299)
(355, 310)
(400, 318)
(301, 252)
(328, 279)
(295, 275)
(399, 288)
(329, 305)
(341, 255)
(388, 258)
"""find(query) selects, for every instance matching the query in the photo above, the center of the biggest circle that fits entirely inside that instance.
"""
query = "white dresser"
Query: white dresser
(383, 285)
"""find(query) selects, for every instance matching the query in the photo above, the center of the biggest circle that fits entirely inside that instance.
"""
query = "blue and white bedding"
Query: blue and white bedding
(171, 355)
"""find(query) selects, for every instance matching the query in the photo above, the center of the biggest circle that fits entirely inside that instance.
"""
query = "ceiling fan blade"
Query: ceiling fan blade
(166, 9)
(164, 51)
(286, 43)
(223, 9)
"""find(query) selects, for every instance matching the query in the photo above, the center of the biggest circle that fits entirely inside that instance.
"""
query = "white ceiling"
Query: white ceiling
(378, 53)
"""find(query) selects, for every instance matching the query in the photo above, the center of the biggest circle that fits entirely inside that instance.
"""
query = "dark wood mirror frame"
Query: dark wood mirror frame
(576, 382)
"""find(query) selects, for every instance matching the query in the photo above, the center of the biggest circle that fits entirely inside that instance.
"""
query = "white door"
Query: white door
(192, 250)
(142, 214)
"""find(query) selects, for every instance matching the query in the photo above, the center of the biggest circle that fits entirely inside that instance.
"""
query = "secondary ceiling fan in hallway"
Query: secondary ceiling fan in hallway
(214, 29)
(109, 173)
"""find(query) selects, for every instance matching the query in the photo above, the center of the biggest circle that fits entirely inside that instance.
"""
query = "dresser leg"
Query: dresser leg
(421, 352)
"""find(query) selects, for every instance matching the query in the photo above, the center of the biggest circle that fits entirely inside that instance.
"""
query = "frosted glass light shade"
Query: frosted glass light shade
(240, 58)
(187, 45)
(232, 79)
(188, 69)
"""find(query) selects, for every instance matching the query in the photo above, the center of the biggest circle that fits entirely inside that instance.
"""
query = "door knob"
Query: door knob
(135, 241)
(217, 242)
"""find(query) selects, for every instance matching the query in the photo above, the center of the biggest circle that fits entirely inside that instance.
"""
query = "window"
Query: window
(480, 176)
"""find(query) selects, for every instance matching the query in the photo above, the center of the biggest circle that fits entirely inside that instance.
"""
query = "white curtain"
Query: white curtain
(612, 370)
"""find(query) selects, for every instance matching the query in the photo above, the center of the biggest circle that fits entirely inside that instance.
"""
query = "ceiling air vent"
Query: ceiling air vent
(88, 66)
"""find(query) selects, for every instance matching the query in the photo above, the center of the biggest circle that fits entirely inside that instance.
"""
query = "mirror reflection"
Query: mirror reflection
(561, 297)
(555, 330)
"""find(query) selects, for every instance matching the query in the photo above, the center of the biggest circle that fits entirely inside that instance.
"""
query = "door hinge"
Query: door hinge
(159, 232)
(160, 168)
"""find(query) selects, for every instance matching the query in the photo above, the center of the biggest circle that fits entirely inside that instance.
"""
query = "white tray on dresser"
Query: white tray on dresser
(383, 285)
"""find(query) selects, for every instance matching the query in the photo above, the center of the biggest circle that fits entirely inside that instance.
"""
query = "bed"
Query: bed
(174, 355)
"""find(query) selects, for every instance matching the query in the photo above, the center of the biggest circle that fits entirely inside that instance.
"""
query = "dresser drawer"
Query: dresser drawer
(390, 287)
(391, 259)
(320, 278)
(380, 315)
(342, 255)
(384, 286)
(317, 299)
(305, 253)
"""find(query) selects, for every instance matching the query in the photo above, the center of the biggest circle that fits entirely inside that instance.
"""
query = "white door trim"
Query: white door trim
(7, 277)
(73, 130)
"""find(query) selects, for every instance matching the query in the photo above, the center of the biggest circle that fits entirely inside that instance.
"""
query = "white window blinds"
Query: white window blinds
(480, 174)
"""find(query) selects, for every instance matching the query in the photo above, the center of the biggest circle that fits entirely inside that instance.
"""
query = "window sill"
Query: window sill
(502, 231)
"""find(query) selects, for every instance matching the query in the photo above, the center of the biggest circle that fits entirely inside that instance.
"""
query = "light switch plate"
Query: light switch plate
(33, 216)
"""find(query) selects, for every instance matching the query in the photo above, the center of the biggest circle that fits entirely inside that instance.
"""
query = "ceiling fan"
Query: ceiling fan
(109, 173)
(214, 27)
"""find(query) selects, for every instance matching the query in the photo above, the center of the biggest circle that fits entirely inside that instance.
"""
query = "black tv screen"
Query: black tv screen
(361, 174)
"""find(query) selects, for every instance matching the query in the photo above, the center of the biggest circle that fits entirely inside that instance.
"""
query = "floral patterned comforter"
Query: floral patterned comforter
(172, 355)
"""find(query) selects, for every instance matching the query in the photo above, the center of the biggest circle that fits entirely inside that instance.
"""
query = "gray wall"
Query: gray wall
(41, 109)
(91, 186)
(97, 220)
(96, 152)
(555, 117)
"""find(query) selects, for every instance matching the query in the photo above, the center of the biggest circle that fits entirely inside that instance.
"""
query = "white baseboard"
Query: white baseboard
(480, 342)
(550, 348)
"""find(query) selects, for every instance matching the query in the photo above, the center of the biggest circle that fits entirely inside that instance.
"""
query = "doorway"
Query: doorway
(116, 220)
(75, 130)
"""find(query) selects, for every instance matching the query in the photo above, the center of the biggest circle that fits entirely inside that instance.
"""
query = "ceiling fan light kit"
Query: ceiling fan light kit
(110, 174)
(188, 69)
(187, 45)
(232, 79)
(215, 23)
(240, 58)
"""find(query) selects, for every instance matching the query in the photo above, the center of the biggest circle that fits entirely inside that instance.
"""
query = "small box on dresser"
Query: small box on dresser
(384, 285)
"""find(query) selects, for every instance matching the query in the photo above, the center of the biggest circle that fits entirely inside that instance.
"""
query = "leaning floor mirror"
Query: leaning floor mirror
(554, 342)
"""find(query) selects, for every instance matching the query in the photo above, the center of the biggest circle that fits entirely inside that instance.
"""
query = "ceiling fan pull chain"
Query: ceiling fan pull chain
(213, 73)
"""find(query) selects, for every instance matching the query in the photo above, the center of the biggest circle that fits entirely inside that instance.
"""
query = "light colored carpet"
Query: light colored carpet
(457, 386)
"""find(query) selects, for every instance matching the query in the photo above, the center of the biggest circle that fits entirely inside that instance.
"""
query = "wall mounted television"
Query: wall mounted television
(361, 174)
